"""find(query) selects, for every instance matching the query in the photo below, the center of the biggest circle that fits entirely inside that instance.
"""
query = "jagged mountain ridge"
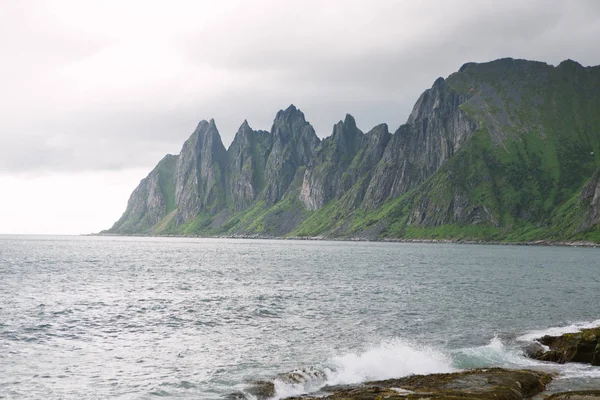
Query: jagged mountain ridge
(502, 150)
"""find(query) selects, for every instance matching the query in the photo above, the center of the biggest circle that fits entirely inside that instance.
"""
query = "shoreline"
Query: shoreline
(542, 242)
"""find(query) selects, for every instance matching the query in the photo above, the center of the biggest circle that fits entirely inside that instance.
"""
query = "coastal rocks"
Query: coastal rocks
(582, 347)
(534, 350)
(492, 383)
(576, 395)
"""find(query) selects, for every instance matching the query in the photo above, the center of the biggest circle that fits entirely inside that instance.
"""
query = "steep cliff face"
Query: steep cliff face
(151, 201)
(359, 174)
(325, 179)
(200, 174)
(247, 157)
(590, 203)
(294, 143)
(535, 147)
(505, 150)
(435, 130)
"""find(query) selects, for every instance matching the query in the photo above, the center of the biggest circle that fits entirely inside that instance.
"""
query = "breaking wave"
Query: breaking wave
(495, 353)
(390, 359)
(558, 330)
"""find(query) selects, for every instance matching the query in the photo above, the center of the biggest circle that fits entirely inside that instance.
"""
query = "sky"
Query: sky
(94, 93)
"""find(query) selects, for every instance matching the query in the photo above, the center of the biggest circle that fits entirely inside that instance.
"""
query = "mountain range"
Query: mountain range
(507, 150)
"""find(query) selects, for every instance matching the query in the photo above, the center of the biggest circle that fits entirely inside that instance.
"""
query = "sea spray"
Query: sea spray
(495, 353)
(392, 358)
(558, 330)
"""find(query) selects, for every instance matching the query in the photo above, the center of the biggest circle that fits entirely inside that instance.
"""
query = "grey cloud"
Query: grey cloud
(372, 61)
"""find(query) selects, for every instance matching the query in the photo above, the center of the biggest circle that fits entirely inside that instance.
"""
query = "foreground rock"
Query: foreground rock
(576, 395)
(582, 347)
(492, 383)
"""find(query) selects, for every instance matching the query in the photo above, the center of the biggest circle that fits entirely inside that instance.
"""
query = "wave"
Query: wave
(496, 353)
(390, 359)
(558, 330)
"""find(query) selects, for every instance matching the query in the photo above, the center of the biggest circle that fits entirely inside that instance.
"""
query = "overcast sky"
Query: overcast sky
(94, 93)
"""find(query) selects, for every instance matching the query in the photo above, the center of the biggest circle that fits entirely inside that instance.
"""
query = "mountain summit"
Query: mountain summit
(504, 150)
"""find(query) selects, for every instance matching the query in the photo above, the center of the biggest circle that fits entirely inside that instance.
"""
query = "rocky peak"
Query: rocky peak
(341, 161)
(568, 63)
(289, 115)
(428, 101)
(246, 162)
(346, 138)
(243, 132)
(376, 140)
(294, 144)
(200, 173)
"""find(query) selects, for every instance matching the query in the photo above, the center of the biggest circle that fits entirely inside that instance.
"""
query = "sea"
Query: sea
(192, 318)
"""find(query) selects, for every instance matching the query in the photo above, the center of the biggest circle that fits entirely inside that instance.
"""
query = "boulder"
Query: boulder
(582, 347)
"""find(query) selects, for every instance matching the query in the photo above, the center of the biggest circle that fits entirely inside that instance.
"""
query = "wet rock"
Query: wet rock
(492, 383)
(261, 390)
(576, 395)
(534, 350)
(582, 347)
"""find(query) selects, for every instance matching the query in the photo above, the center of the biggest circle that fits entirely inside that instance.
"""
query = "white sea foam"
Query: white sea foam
(558, 330)
(390, 359)
(495, 353)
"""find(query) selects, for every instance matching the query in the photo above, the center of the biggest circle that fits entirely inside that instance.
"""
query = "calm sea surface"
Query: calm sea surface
(139, 318)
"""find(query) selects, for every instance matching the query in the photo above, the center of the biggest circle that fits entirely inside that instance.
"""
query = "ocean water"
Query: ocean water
(141, 318)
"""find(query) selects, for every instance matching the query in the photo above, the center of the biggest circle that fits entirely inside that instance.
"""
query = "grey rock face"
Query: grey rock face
(590, 200)
(200, 173)
(294, 143)
(360, 172)
(435, 130)
(324, 178)
(452, 207)
(247, 156)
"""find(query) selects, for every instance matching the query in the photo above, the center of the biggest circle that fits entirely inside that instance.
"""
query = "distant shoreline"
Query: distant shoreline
(545, 242)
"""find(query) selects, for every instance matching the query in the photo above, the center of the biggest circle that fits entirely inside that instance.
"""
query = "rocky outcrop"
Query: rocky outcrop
(576, 395)
(491, 383)
(448, 204)
(581, 347)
